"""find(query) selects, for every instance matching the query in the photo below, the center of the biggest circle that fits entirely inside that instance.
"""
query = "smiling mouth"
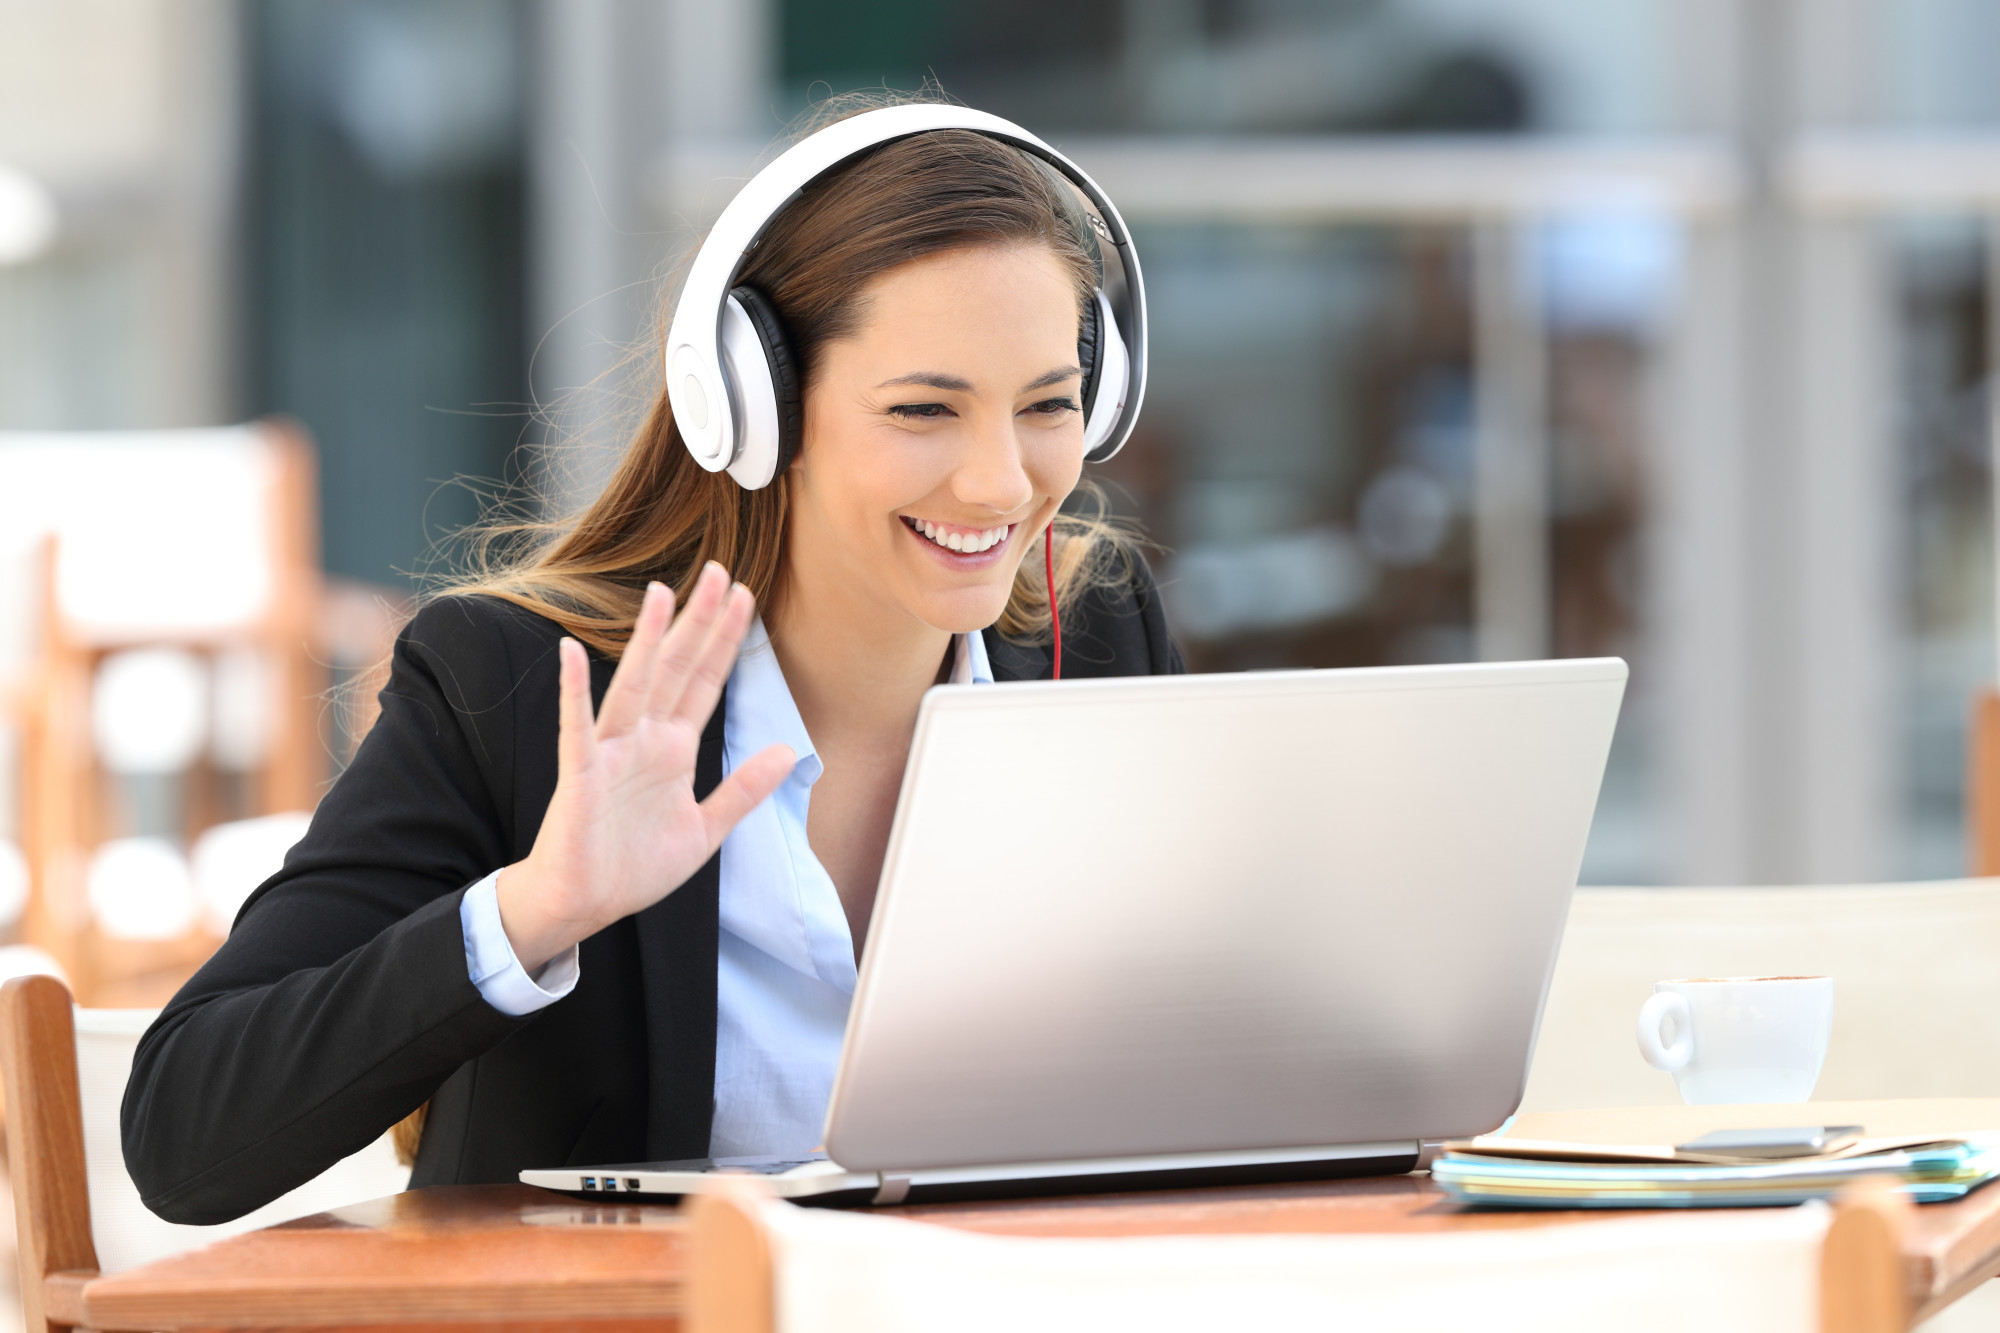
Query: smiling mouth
(959, 541)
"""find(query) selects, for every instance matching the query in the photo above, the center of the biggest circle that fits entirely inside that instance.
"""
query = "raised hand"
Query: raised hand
(624, 829)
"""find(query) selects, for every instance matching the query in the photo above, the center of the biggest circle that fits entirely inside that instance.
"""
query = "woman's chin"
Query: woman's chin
(963, 609)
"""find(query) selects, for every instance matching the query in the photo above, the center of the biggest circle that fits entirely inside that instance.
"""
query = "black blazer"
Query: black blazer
(342, 1001)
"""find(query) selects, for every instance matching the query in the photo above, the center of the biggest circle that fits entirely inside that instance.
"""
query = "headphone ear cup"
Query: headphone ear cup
(1107, 383)
(1089, 345)
(764, 376)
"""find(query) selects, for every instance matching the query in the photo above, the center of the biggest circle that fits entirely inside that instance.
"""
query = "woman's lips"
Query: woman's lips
(987, 543)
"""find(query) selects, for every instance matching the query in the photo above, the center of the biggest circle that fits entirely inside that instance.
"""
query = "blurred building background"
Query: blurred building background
(1502, 329)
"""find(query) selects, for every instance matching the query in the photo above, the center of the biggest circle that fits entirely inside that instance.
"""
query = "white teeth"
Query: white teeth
(967, 543)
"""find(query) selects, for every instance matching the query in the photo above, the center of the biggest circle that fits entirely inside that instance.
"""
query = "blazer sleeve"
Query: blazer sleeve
(341, 999)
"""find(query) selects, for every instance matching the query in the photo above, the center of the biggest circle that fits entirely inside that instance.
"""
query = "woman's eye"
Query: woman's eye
(1054, 407)
(919, 411)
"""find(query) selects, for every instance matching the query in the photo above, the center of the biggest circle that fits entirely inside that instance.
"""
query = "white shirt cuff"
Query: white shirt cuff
(490, 961)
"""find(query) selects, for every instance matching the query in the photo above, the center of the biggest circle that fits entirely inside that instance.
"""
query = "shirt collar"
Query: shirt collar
(969, 665)
(760, 706)
(762, 712)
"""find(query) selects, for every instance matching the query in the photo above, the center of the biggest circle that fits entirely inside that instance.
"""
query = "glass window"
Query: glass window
(1253, 66)
(387, 279)
(1308, 456)
(1306, 450)
(1944, 501)
(1930, 62)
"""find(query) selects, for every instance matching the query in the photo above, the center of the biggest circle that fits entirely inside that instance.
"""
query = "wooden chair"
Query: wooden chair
(1982, 785)
(760, 1266)
(45, 1154)
(74, 1205)
(264, 506)
(1916, 1008)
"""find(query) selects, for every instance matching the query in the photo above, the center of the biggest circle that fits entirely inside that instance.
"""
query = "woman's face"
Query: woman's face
(940, 436)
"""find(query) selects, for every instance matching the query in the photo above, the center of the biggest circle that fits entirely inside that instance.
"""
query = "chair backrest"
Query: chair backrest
(64, 1072)
(760, 1266)
(1982, 784)
(44, 1139)
(204, 513)
(1916, 1010)
(223, 524)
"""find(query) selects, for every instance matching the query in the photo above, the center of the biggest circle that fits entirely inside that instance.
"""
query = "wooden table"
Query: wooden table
(513, 1257)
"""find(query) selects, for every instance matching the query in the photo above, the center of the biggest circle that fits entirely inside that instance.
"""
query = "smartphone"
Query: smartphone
(1791, 1141)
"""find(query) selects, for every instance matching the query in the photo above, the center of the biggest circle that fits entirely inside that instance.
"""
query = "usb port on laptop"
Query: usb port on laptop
(590, 1182)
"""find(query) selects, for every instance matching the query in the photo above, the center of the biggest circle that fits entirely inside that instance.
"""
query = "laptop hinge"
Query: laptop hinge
(895, 1188)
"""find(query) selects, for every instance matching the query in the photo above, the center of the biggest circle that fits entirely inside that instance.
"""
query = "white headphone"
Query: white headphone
(731, 375)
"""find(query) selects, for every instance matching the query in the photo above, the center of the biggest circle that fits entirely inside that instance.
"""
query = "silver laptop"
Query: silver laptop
(1202, 929)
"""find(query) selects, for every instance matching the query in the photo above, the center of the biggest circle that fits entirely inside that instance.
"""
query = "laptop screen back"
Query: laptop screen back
(1210, 913)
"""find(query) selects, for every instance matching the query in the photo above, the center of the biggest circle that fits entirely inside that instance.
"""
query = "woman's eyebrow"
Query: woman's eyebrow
(937, 379)
(1056, 376)
(933, 379)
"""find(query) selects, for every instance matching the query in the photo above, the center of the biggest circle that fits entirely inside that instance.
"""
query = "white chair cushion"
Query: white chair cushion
(13, 884)
(1754, 1270)
(149, 710)
(140, 889)
(189, 509)
(231, 860)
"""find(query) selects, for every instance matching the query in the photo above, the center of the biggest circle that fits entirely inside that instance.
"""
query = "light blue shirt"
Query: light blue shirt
(785, 968)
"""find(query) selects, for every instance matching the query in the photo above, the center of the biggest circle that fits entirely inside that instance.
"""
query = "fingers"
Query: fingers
(754, 779)
(681, 651)
(576, 731)
(625, 700)
(717, 660)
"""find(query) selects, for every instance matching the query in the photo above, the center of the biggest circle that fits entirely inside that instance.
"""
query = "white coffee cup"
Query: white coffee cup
(1731, 1040)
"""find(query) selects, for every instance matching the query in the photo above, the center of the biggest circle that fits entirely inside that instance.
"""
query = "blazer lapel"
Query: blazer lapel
(678, 944)
(1017, 661)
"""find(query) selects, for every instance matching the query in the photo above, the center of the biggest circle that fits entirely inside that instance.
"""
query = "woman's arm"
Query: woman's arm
(341, 999)
(625, 827)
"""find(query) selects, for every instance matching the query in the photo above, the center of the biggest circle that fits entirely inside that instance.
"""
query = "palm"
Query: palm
(624, 828)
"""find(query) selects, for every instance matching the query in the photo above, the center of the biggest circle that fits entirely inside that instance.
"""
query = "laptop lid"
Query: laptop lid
(1209, 913)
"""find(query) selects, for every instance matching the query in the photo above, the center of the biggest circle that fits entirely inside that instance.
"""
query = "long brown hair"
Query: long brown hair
(662, 516)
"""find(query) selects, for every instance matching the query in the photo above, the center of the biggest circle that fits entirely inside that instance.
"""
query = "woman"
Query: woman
(511, 906)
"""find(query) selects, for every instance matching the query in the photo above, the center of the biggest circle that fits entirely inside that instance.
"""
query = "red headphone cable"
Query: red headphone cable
(1049, 575)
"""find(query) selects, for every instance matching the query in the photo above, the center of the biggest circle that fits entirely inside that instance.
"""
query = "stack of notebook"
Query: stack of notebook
(1636, 1157)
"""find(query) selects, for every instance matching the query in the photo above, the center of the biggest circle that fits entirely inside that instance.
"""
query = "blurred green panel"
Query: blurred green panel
(385, 279)
(861, 42)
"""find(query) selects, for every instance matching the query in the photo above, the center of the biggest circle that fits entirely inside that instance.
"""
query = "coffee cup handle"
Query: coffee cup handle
(1653, 1015)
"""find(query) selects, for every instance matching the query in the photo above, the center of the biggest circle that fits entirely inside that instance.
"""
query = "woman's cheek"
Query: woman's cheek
(1056, 462)
(909, 467)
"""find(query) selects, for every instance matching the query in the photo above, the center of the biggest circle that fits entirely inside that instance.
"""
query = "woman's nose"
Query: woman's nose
(991, 475)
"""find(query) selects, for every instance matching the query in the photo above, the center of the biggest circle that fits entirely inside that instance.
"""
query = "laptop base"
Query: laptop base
(817, 1181)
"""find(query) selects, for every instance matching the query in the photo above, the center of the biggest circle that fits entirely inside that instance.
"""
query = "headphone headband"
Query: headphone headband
(705, 404)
